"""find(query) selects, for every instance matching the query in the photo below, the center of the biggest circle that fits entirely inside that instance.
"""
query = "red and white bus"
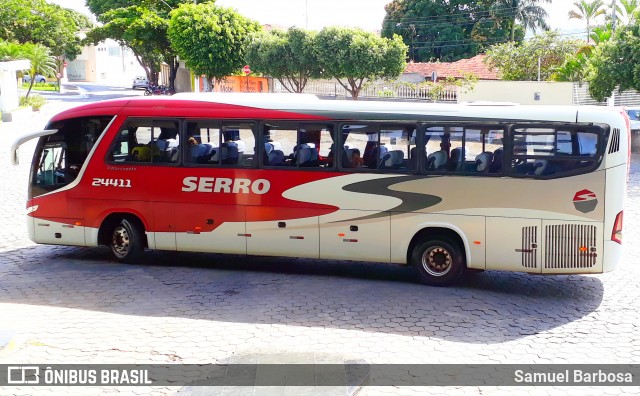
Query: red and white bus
(441, 187)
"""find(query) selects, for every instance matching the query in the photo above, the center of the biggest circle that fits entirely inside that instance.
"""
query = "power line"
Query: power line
(498, 12)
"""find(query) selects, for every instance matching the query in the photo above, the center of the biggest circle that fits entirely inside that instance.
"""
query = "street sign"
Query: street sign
(246, 70)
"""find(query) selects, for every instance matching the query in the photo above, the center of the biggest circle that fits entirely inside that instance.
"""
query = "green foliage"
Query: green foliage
(287, 56)
(140, 29)
(616, 63)
(449, 30)
(519, 62)
(10, 51)
(35, 101)
(46, 86)
(37, 21)
(572, 70)
(210, 39)
(353, 56)
(141, 26)
(528, 13)
(587, 10)
(628, 9)
(445, 30)
(42, 62)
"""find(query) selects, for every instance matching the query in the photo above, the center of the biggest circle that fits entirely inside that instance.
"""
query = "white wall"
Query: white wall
(106, 62)
(523, 92)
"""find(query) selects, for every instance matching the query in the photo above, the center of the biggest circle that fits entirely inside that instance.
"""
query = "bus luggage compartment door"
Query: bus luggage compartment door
(60, 232)
(276, 231)
(211, 228)
(356, 235)
(514, 244)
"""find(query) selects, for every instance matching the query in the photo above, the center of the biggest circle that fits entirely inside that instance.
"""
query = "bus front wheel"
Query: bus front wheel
(439, 261)
(127, 242)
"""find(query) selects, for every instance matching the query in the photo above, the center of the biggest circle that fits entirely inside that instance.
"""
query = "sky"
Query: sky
(315, 14)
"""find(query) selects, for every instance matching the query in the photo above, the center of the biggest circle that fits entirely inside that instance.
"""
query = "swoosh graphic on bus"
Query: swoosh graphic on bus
(411, 202)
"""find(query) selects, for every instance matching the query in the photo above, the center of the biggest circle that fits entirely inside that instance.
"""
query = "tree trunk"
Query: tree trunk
(33, 78)
(174, 65)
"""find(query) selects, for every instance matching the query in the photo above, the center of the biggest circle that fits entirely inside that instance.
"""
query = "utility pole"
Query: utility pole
(613, 15)
(413, 46)
(612, 99)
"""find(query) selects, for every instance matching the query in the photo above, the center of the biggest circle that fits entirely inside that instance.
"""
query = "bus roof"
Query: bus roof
(312, 106)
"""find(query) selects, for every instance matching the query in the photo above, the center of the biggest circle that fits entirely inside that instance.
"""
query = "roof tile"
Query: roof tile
(454, 69)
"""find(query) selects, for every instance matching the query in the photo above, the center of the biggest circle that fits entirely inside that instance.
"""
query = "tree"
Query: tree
(522, 62)
(616, 63)
(353, 56)
(289, 57)
(10, 51)
(142, 27)
(575, 66)
(210, 39)
(445, 30)
(42, 62)
(587, 10)
(36, 21)
(528, 12)
(628, 9)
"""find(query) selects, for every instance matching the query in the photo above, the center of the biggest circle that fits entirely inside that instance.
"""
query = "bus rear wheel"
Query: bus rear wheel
(438, 261)
(127, 241)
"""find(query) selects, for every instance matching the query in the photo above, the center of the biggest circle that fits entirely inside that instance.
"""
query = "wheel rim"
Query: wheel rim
(437, 261)
(120, 241)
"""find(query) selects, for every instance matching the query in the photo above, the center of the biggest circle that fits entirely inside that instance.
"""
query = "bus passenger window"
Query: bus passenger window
(436, 155)
(211, 142)
(297, 144)
(400, 143)
(364, 139)
(544, 152)
(386, 147)
(148, 141)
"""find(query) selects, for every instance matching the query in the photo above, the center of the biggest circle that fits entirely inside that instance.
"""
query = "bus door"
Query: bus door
(57, 205)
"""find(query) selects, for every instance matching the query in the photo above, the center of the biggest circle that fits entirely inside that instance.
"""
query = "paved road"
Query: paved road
(74, 305)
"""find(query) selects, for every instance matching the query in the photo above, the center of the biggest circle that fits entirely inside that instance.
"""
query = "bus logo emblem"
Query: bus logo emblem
(585, 201)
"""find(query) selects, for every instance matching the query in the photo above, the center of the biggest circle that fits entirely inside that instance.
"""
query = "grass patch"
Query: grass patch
(41, 86)
(34, 100)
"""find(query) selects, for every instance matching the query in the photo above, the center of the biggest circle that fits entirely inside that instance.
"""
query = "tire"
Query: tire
(126, 241)
(147, 92)
(438, 261)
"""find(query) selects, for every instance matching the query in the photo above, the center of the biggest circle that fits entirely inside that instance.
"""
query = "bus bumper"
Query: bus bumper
(612, 256)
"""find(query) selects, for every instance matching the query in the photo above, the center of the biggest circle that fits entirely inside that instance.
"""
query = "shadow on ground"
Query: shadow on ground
(486, 307)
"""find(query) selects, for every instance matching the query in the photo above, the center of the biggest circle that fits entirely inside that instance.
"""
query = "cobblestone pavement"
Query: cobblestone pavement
(74, 305)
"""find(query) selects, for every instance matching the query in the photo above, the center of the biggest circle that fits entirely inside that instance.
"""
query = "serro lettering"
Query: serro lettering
(225, 185)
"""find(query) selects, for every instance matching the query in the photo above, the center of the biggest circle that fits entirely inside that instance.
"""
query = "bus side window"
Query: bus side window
(297, 144)
(544, 152)
(144, 140)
